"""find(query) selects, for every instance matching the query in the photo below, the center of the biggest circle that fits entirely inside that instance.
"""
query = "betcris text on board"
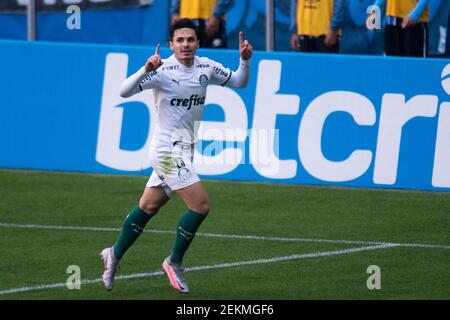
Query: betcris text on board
(258, 145)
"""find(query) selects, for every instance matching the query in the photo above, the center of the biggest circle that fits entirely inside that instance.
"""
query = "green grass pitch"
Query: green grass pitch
(260, 241)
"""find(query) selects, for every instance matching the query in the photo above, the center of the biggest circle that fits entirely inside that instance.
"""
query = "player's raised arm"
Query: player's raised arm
(142, 79)
(245, 48)
(240, 77)
(154, 62)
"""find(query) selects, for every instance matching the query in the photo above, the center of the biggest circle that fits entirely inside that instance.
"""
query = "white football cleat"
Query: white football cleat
(175, 272)
(110, 264)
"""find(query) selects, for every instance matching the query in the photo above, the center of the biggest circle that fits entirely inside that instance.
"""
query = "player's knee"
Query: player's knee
(150, 208)
(202, 207)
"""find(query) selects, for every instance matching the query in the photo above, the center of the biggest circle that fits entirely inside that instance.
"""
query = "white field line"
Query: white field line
(201, 268)
(228, 236)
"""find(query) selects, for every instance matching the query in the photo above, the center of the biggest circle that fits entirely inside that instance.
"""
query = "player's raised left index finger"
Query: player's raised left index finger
(241, 37)
(157, 50)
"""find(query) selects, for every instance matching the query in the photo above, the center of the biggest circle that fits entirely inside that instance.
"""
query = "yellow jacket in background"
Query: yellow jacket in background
(402, 8)
(314, 16)
(197, 9)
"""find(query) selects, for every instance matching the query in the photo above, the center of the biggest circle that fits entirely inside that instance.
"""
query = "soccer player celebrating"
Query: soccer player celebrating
(179, 85)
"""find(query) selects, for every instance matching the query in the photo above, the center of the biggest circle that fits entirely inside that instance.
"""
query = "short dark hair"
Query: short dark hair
(182, 23)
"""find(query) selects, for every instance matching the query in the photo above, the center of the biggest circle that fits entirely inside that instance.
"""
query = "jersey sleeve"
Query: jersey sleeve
(151, 80)
(219, 74)
(140, 81)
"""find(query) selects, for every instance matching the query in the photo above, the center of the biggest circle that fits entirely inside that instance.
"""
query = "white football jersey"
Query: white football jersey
(180, 94)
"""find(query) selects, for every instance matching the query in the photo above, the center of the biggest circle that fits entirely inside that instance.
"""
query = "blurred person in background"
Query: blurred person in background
(447, 47)
(209, 18)
(310, 24)
(438, 28)
(406, 31)
(349, 17)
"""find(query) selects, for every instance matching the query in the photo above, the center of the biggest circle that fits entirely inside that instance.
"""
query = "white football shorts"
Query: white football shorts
(173, 170)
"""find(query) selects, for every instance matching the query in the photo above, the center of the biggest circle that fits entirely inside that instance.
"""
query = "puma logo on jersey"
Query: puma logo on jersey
(194, 100)
(177, 82)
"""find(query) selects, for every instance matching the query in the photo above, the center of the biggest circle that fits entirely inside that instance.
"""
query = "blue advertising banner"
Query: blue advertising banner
(303, 119)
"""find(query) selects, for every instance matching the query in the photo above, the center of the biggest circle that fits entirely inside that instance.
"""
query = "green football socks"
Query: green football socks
(131, 229)
(186, 229)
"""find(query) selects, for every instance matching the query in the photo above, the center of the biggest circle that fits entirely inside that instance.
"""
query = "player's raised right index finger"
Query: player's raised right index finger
(157, 50)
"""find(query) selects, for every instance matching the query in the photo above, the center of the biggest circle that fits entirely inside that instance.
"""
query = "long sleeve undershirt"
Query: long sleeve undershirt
(238, 79)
